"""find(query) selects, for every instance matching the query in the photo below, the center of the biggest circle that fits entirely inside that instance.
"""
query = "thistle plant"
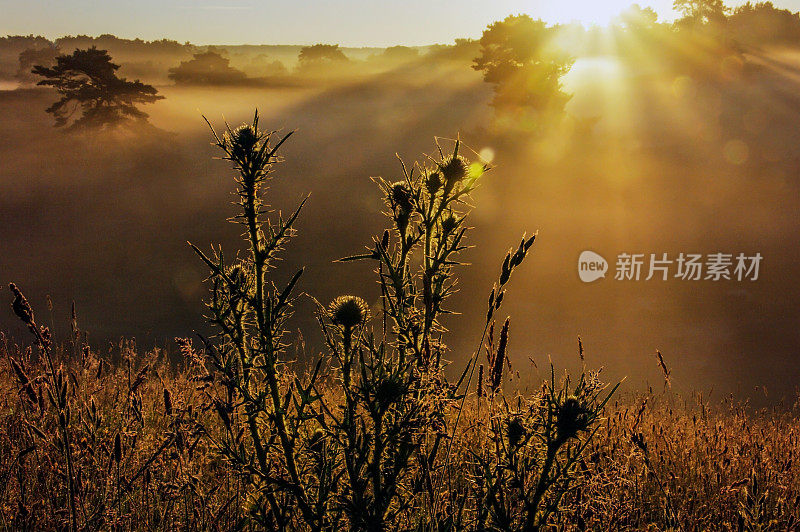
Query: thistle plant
(524, 463)
(394, 422)
(533, 445)
(364, 437)
(250, 314)
(427, 208)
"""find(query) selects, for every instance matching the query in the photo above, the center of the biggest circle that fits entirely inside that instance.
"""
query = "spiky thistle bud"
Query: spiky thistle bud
(449, 224)
(238, 276)
(400, 197)
(572, 417)
(388, 391)
(244, 142)
(433, 183)
(515, 431)
(348, 311)
(454, 170)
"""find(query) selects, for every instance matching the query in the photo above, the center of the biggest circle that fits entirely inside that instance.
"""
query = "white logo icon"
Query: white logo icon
(591, 266)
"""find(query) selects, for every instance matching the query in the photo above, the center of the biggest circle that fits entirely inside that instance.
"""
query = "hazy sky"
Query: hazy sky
(348, 22)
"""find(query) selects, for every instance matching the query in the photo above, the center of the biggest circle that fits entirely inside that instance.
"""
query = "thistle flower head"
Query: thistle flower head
(239, 279)
(449, 224)
(454, 170)
(515, 431)
(434, 182)
(572, 417)
(388, 391)
(348, 311)
(243, 140)
(400, 197)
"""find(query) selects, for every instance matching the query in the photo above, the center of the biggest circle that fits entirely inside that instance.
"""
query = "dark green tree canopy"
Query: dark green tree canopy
(87, 80)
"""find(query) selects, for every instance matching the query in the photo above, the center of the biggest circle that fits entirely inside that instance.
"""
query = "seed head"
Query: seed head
(24, 381)
(572, 417)
(434, 182)
(243, 142)
(21, 306)
(454, 170)
(46, 338)
(496, 375)
(223, 411)
(167, 402)
(449, 223)
(389, 391)
(117, 448)
(401, 197)
(348, 311)
(515, 431)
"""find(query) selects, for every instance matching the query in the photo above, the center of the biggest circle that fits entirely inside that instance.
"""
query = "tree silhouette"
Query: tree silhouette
(207, 68)
(263, 65)
(763, 23)
(638, 18)
(30, 57)
(320, 55)
(516, 58)
(400, 53)
(700, 12)
(87, 80)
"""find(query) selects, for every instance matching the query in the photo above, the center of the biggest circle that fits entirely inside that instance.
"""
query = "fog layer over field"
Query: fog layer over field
(673, 164)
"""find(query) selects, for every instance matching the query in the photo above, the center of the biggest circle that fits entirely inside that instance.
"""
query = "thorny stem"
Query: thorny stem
(541, 486)
(259, 259)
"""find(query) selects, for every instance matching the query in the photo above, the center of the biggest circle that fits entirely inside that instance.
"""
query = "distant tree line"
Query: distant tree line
(515, 56)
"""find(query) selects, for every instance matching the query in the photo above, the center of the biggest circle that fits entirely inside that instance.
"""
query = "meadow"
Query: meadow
(248, 431)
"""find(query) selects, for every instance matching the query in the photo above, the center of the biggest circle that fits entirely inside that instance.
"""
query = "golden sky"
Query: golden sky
(347, 22)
